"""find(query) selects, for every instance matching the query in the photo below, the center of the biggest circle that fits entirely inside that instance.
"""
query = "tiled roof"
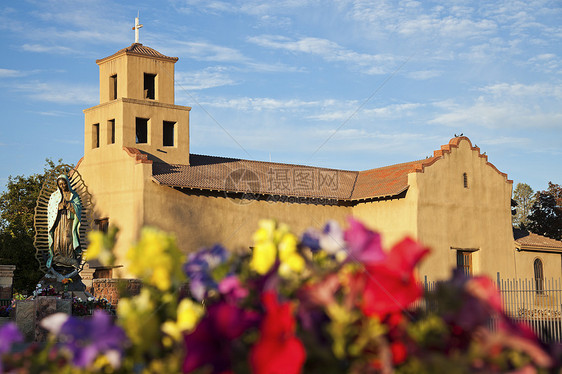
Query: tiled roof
(139, 50)
(528, 240)
(267, 178)
(256, 177)
(387, 181)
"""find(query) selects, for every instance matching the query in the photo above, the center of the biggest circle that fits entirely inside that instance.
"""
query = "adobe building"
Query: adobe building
(139, 170)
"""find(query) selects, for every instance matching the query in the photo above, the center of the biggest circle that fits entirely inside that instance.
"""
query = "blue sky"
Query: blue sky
(345, 84)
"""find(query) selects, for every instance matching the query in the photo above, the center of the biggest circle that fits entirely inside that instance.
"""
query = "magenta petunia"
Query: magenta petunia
(363, 244)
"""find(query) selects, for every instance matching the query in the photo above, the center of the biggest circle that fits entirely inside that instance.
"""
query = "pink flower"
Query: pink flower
(232, 288)
(278, 350)
(364, 244)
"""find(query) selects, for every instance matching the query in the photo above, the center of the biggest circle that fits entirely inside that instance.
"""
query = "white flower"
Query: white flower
(54, 322)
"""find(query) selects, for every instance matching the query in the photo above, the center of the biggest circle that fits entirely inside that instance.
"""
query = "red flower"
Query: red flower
(278, 350)
(390, 284)
(399, 352)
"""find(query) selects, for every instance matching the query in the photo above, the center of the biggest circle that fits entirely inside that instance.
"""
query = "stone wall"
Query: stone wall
(112, 289)
(6, 281)
(29, 313)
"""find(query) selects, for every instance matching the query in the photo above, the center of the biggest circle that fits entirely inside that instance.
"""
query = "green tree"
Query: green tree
(17, 209)
(524, 197)
(546, 213)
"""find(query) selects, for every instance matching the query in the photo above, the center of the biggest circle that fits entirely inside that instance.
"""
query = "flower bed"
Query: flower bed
(330, 301)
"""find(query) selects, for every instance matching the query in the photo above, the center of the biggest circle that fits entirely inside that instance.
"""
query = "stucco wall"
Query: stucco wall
(394, 219)
(552, 264)
(116, 183)
(451, 216)
(125, 112)
(199, 221)
(130, 77)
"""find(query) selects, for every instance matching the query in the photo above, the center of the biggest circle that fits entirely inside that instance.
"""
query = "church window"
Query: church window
(103, 274)
(465, 180)
(539, 276)
(102, 224)
(111, 131)
(149, 86)
(168, 133)
(113, 87)
(95, 135)
(141, 130)
(464, 262)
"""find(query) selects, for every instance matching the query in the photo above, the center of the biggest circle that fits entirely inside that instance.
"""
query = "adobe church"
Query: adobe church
(139, 170)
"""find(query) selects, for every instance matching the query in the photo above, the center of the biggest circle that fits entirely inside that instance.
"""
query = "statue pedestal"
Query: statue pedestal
(75, 285)
(30, 312)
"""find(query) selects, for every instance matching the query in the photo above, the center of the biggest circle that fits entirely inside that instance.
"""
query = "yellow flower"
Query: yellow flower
(137, 317)
(271, 239)
(156, 260)
(188, 315)
(263, 257)
(101, 247)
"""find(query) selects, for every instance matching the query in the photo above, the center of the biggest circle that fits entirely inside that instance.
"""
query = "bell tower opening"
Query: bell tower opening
(149, 86)
(113, 87)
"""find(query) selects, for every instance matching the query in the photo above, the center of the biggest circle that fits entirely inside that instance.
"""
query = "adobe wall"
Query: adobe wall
(524, 264)
(115, 180)
(452, 217)
(201, 221)
(395, 218)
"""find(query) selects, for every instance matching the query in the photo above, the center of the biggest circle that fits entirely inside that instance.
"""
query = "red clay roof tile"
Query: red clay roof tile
(529, 240)
(267, 178)
(139, 50)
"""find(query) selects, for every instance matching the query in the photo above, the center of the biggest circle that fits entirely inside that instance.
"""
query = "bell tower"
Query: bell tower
(136, 108)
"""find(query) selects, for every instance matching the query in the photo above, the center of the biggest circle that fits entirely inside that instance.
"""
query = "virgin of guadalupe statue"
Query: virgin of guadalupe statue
(63, 220)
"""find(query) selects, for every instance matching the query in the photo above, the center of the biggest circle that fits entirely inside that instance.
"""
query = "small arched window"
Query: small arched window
(539, 276)
(465, 180)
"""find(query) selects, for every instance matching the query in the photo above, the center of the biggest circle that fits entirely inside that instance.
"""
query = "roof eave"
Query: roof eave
(536, 248)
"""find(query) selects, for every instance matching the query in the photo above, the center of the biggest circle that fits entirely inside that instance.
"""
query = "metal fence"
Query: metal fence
(537, 303)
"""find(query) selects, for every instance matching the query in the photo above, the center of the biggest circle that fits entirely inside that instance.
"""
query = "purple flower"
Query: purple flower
(330, 239)
(9, 334)
(88, 338)
(199, 269)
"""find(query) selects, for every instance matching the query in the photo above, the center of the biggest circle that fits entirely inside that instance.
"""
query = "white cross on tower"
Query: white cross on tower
(136, 28)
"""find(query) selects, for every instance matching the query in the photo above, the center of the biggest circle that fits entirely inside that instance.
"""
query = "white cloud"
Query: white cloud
(10, 73)
(203, 79)
(208, 52)
(390, 111)
(499, 140)
(498, 115)
(252, 7)
(518, 90)
(546, 62)
(61, 93)
(56, 113)
(264, 103)
(446, 27)
(328, 50)
(40, 48)
(424, 74)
